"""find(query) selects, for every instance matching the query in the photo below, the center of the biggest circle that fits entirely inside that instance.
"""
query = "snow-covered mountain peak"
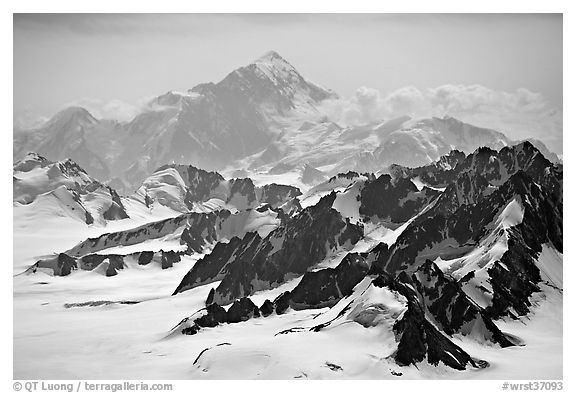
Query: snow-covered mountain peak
(30, 161)
(270, 57)
(272, 78)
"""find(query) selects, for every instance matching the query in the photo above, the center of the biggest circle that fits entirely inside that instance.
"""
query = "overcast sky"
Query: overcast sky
(113, 63)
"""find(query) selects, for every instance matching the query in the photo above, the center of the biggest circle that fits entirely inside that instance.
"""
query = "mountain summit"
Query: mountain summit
(210, 126)
(274, 83)
(263, 117)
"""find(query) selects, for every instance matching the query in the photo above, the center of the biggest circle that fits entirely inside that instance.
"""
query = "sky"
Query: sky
(502, 71)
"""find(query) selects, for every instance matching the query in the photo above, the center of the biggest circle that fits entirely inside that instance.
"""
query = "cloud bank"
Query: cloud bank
(114, 109)
(519, 114)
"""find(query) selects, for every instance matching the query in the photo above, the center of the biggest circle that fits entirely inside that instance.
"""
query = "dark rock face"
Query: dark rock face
(289, 250)
(417, 337)
(210, 298)
(514, 280)
(115, 263)
(89, 219)
(466, 213)
(116, 211)
(169, 258)
(453, 310)
(437, 174)
(208, 269)
(326, 287)
(242, 310)
(200, 183)
(494, 166)
(469, 223)
(517, 278)
(145, 257)
(419, 340)
(278, 194)
(267, 308)
(350, 175)
(253, 263)
(202, 229)
(282, 303)
(242, 187)
(215, 315)
(65, 265)
(91, 261)
(397, 201)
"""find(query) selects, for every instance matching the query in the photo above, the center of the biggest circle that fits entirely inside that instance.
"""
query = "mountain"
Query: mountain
(470, 257)
(263, 120)
(491, 223)
(302, 242)
(423, 269)
(286, 244)
(64, 188)
(186, 188)
(210, 125)
(72, 133)
(419, 142)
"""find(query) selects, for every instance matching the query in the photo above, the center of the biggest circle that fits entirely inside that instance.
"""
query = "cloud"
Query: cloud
(114, 109)
(519, 114)
(28, 120)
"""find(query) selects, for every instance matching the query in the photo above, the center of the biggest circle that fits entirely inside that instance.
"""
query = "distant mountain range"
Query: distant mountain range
(262, 118)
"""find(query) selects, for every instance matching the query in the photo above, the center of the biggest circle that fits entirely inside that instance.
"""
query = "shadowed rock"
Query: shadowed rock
(266, 308)
(242, 310)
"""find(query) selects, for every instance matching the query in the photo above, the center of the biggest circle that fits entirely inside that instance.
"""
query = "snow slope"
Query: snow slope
(132, 341)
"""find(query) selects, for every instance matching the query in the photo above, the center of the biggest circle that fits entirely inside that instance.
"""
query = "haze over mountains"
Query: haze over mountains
(236, 231)
(264, 118)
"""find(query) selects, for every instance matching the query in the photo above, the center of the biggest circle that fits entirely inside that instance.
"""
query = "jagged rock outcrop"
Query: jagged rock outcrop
(58, 265)
(267, 308)
(444, 298)
(278, 194)
(197, 230)
(437, 174)
(393, 200)
(519, 213)
(241, 310)
(325, 287)
(418, 338)
(256, 263)
(145, 257)
(169, 258)
(282, 302)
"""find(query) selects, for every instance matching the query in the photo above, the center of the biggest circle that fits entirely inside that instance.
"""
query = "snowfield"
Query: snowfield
(96, 327)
